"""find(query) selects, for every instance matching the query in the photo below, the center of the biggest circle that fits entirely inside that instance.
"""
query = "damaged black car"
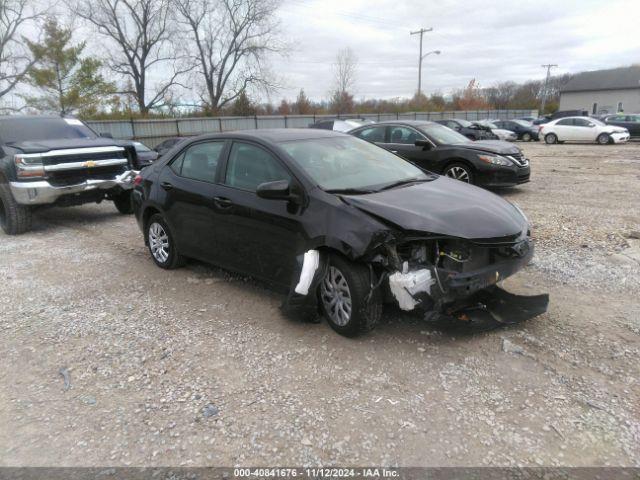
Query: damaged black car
(341, 225)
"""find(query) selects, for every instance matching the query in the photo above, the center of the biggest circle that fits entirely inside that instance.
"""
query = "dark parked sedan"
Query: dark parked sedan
(146, 156)
(526, 131)
(629, 121)
(338, 223)
(470, 130)
(433, 147)
(166, 145)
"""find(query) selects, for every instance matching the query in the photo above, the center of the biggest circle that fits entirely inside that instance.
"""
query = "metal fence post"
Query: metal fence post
(133, 129)
(285, 122)
(177, 127)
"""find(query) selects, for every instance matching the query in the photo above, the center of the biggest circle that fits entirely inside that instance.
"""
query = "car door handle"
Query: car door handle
(222, 202)
(166, 185)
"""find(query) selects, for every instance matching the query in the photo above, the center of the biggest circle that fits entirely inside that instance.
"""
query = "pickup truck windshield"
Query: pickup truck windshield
(16, 130)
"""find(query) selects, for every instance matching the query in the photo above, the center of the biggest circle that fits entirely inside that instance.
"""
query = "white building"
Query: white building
(603, 91)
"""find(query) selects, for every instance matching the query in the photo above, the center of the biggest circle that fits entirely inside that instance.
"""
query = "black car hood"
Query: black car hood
(445, 207)
(490, 146)
(40, 146)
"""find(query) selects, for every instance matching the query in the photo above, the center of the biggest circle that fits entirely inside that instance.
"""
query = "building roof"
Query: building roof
(612, 79)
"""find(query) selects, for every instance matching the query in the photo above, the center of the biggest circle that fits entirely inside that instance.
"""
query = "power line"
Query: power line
(421, 32)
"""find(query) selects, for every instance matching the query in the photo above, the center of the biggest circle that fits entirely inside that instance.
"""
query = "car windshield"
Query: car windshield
(350, 164)
(16, 130)
(523, 123)
(442, 135)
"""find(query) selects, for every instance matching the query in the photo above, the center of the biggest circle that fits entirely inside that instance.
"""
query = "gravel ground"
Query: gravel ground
(111, 361)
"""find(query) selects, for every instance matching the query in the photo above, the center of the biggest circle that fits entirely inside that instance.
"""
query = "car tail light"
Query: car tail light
(137, 181)
(29, 166)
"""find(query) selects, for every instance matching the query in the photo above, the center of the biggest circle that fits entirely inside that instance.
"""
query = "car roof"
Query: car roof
(32, 117)
(409, 123)
(274, 135)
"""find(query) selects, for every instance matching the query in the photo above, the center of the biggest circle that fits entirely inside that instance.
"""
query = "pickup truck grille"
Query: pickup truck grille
(77, 165)
(61, 178)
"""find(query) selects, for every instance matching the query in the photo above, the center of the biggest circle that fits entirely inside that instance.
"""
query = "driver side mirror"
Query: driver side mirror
(591, 125)
(278, 190)
(425, 144)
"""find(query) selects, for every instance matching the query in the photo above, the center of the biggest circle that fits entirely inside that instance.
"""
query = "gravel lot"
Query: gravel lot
(111, 361)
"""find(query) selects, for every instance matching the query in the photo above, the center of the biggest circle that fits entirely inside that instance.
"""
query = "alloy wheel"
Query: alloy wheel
(158, 242)
(336, 297)
(526, 137)
(458, 173)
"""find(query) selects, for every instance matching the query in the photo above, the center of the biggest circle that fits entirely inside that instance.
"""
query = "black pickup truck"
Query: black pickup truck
(59, 161)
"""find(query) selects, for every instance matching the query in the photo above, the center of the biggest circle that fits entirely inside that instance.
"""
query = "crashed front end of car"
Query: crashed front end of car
(440, 247)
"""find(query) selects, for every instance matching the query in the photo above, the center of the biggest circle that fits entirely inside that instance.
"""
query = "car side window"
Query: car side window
(250, 165)
(372, 134)
(404, 135)
(567, 122)
(581, 122)
(199, 162)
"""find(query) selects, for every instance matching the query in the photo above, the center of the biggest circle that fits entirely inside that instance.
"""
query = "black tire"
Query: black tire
(603, 139)
(14, 218)
(526, 137)
(455, 171)
(124, 202)
(173, 258)
(550, 138)
(363, 315)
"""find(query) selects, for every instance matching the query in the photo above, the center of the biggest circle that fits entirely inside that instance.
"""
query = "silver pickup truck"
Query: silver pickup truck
(51, 160)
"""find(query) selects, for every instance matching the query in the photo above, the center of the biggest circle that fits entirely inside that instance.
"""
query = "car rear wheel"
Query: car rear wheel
(161, 244)
(459, 171)
(344, 295)
(124, 203)
(14, 218)
(551, 138)
(603, 139)
(526, 137)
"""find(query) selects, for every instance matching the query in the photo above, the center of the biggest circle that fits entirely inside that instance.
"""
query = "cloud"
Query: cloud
(492, 40)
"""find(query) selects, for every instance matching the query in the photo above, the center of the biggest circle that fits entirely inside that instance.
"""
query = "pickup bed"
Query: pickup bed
(55, 161)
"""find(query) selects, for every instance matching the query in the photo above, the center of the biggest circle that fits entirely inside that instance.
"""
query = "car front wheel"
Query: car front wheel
(345, 297)
(603, 139)
(551, 138)
(161, 244)
(459, 171)
(14, 218)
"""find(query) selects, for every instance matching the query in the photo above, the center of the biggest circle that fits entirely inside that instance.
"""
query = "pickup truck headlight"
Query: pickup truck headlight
(495, 160)
(28, 166)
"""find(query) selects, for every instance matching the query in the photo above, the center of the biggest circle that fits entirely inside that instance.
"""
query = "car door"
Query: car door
(257, 236)
(376, 134)
(402, 141)
(189, 189)
(584, 130)
(564, 129)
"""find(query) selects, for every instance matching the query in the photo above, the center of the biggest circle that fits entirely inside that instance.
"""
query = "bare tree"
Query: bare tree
(345, 79)
(15, 59)
(231, 40)
(142, 31)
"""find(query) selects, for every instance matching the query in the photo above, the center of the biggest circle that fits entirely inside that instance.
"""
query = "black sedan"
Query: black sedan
(626, 120)
(433, 147)
(470, 130)
(525, 131)
(338, 223)
(146, 156)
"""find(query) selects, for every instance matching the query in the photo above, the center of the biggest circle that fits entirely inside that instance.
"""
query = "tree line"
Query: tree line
(149, 50)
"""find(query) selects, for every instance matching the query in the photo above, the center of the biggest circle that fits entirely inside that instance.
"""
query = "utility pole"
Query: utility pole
(420, 32)
(546, 85)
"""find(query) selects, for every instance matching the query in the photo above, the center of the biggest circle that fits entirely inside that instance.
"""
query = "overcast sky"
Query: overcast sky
(490, 40)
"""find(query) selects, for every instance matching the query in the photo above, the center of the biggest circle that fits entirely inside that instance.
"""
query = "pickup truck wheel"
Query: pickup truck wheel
(161, 244)
(124, 203)
(344, 293)
(14, 218)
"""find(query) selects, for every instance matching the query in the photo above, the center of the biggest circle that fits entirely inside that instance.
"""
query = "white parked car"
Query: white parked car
(501, 133)
(582, 129)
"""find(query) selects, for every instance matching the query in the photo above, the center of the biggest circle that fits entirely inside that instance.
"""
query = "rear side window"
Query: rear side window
(250, 165)
(404, 135)
(372, 134)
(565, 122)
(199, 162)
